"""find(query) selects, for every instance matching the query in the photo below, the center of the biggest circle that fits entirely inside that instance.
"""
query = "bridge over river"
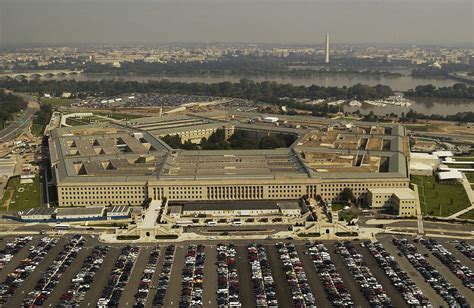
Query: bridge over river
(39, 74)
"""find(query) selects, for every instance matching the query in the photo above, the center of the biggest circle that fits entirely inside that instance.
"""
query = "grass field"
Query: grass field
(470, 176)
(348, 216)
(468, 215)
(37, 129)
(421, 128)
(440, 199)
(28, 198)
(56, 102)
(460, 166)
(336, 206)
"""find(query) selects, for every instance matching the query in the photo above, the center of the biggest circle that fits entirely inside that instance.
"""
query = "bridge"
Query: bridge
(39, 74)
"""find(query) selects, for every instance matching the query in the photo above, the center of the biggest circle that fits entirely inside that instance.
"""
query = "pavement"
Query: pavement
(247, 296)
(16, 128)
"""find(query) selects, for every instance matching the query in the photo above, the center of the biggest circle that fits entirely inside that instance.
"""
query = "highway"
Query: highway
(15, 128)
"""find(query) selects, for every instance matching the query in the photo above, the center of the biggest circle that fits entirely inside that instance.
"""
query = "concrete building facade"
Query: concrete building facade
(127, 163)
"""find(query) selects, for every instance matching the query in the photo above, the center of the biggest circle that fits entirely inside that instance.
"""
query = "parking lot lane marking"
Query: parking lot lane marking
(247, 294)
(30, 282)
(132, 286)
(353, 287)
(282, 290)
(15, 261)
(458, 254)
(433, 297)
(102, 276)
(66, 278)
(313, 278)
(210, 275)
(174, 287)
(156, 276)
(444, 270)
(377, 271)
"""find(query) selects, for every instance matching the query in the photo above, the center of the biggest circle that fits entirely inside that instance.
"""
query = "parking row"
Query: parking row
(193, 275)
(410, 292)
(119, 277)
(464, 273)
(432, 276)
(147, 277)
(295, 276)
(82, 281)
(331, 279)
(164, 278)
(50, 278)
(262, 278)
(27, 266)
(12, 248)
(228, 286)
(370, 287)
(467, 249)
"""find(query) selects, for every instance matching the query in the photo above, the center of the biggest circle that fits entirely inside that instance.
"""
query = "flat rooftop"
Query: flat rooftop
(80, 211)
(132, 151)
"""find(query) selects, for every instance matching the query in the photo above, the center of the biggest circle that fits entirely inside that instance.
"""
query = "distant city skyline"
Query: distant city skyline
(436, 22)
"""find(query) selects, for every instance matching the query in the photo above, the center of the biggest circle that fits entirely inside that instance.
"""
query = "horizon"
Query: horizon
(400, 22)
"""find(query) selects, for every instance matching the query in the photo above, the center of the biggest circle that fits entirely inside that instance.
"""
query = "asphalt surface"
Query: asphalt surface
(247, 296)
(15, 128)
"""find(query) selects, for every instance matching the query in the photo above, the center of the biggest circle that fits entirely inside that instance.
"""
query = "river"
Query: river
(426, 106)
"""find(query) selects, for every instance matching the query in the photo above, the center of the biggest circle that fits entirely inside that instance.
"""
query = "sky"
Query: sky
(439, 22)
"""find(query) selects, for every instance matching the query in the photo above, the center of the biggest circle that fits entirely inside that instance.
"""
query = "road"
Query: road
(15, 128)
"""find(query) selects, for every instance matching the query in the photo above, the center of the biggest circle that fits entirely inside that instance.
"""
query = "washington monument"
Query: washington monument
(327, 48)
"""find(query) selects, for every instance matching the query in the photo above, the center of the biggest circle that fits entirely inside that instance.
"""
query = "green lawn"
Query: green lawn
(460, 166)
(440, 199)
(468, 215)
(463, 158)
(470, 176)
(28, 198)
(421, 128)
(37, 129)
(336, 206)
(348, 215)
(56, 102)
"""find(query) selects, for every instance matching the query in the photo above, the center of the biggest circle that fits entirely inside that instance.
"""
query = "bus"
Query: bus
(62, 227)
(184, 223)
(236, 223)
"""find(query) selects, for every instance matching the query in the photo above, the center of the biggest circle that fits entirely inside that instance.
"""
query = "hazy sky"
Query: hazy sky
(267, 21)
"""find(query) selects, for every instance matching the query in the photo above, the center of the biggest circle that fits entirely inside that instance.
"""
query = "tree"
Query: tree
(347, 195)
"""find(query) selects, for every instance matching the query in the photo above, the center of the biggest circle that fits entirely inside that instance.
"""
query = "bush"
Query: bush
(128, 237)
(347, 234)
(312, 234)
(166, 237)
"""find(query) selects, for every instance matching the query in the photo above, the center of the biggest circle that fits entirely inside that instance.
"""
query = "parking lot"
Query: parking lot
(79, 270)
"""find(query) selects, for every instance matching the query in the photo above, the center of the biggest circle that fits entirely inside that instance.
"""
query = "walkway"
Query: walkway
(470, 195)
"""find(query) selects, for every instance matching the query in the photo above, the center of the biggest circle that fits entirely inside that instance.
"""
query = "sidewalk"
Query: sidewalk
(470, 195)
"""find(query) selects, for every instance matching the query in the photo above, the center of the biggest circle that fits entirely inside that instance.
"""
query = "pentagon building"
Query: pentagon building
(126, 163)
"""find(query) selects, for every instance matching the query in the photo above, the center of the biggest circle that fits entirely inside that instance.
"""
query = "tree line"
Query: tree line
(9, 105)
(266, 91)
(458, 90)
